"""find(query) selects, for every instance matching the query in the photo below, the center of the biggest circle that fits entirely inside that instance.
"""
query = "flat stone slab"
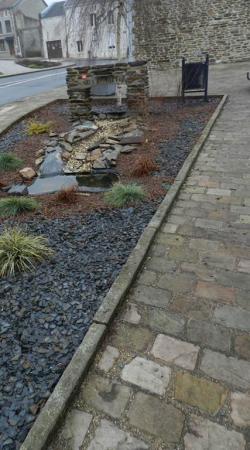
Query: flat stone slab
(209, 335)
(109, 437)
(147, 375)
(163, 321)
(240, 404)
(206, 435)
(233, 317)
(206, 395)
(53, 163)
(150, 296)
(156, 417)
(76, 427)
(176, 352)
(105, 395)
(108, 358)
(242, 346)
(50, 185)
(234, 371)
(132, 338)
(18, 189)
(132, 315)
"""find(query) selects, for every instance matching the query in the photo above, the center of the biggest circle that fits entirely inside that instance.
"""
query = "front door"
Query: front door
(54, 49)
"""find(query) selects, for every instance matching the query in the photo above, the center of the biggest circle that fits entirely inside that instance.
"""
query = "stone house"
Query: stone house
(166, 30)
(20, 30)
(54, 31)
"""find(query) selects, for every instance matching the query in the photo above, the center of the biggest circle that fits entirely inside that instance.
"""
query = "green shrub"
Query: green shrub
(12, 206)
(123, 194)
(35, 128)
(9, 162)
(20, 251)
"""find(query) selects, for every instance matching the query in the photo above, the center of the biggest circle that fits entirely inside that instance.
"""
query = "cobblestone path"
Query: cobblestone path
(174, 371)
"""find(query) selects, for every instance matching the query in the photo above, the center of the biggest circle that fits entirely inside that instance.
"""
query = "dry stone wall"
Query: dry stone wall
(166, 30)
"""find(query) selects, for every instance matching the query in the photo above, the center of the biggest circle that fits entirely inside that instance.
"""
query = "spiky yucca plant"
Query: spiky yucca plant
(20, 251)
(12, 206)
(9, 162)
(123, 194)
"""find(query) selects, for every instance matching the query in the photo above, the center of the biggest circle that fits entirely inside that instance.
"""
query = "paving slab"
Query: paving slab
(147, 375)
(206, 435)
(109, 437)
(156, 417)
(76, 428)
(231, 370)
(105, 395)
(176, 352)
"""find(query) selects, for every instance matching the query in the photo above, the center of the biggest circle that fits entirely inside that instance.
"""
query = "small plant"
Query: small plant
(20, 251)
(9, 162)
(144, 166)
(35, 128)
(123, 194)
(12, 206)
(67, 195)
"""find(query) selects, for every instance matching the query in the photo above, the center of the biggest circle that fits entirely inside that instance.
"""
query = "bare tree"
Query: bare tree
(114, 11)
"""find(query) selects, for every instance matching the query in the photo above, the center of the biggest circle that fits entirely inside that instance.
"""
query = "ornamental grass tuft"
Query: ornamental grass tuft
(144, 165)
(9, 162)
(124, 194)
(19, 251)
(35, 128)
(12, 206)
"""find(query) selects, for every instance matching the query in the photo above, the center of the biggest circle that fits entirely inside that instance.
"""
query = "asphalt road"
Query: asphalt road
(18, 87)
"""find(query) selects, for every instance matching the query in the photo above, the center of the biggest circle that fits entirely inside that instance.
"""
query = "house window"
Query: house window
(1, 28)
(93, 20)
(8, 26)
(79, 46)
(111, 19)
(2, 45)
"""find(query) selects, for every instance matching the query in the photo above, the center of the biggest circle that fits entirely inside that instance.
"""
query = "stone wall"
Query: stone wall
(81, 80)
(166, 30)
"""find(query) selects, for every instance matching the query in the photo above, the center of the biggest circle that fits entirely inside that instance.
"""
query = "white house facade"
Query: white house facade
(93, 34)
(54, 31)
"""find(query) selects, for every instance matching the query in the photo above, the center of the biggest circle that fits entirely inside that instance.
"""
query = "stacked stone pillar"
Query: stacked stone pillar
(79, 91)
(137, 82)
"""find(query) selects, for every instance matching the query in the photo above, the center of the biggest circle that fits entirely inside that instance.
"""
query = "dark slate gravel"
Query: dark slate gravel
(45, 315)
(17, 133)
(174, 152)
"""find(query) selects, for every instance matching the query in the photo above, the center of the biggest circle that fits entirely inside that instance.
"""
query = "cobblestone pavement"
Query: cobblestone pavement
(174, 371)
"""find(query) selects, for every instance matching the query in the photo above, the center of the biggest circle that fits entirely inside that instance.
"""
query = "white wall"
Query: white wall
(54, 29)
(96, 41)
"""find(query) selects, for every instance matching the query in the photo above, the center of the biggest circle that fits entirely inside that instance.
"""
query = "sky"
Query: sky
(51, 1)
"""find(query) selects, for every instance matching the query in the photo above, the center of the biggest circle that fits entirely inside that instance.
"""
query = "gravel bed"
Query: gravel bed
(17, 133)
(45, 315)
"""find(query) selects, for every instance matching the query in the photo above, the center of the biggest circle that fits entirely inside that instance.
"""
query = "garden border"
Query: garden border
(53, 411)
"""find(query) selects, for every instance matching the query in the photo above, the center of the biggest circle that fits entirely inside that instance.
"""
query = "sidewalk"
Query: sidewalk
(13, 112)
(174, 371)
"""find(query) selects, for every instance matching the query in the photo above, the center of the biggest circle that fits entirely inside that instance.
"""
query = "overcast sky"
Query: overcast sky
(51, 1)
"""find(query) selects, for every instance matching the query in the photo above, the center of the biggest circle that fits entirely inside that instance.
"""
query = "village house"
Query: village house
(54, 31)
(20, 30)
(97, 34)
(171, 30)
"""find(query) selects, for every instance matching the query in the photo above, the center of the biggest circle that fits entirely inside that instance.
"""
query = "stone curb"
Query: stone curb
(35, 71)
(54, 409)
(124, 280)
(50, 416)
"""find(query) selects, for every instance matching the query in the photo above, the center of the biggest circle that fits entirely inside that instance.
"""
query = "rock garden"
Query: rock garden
(76, 192)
